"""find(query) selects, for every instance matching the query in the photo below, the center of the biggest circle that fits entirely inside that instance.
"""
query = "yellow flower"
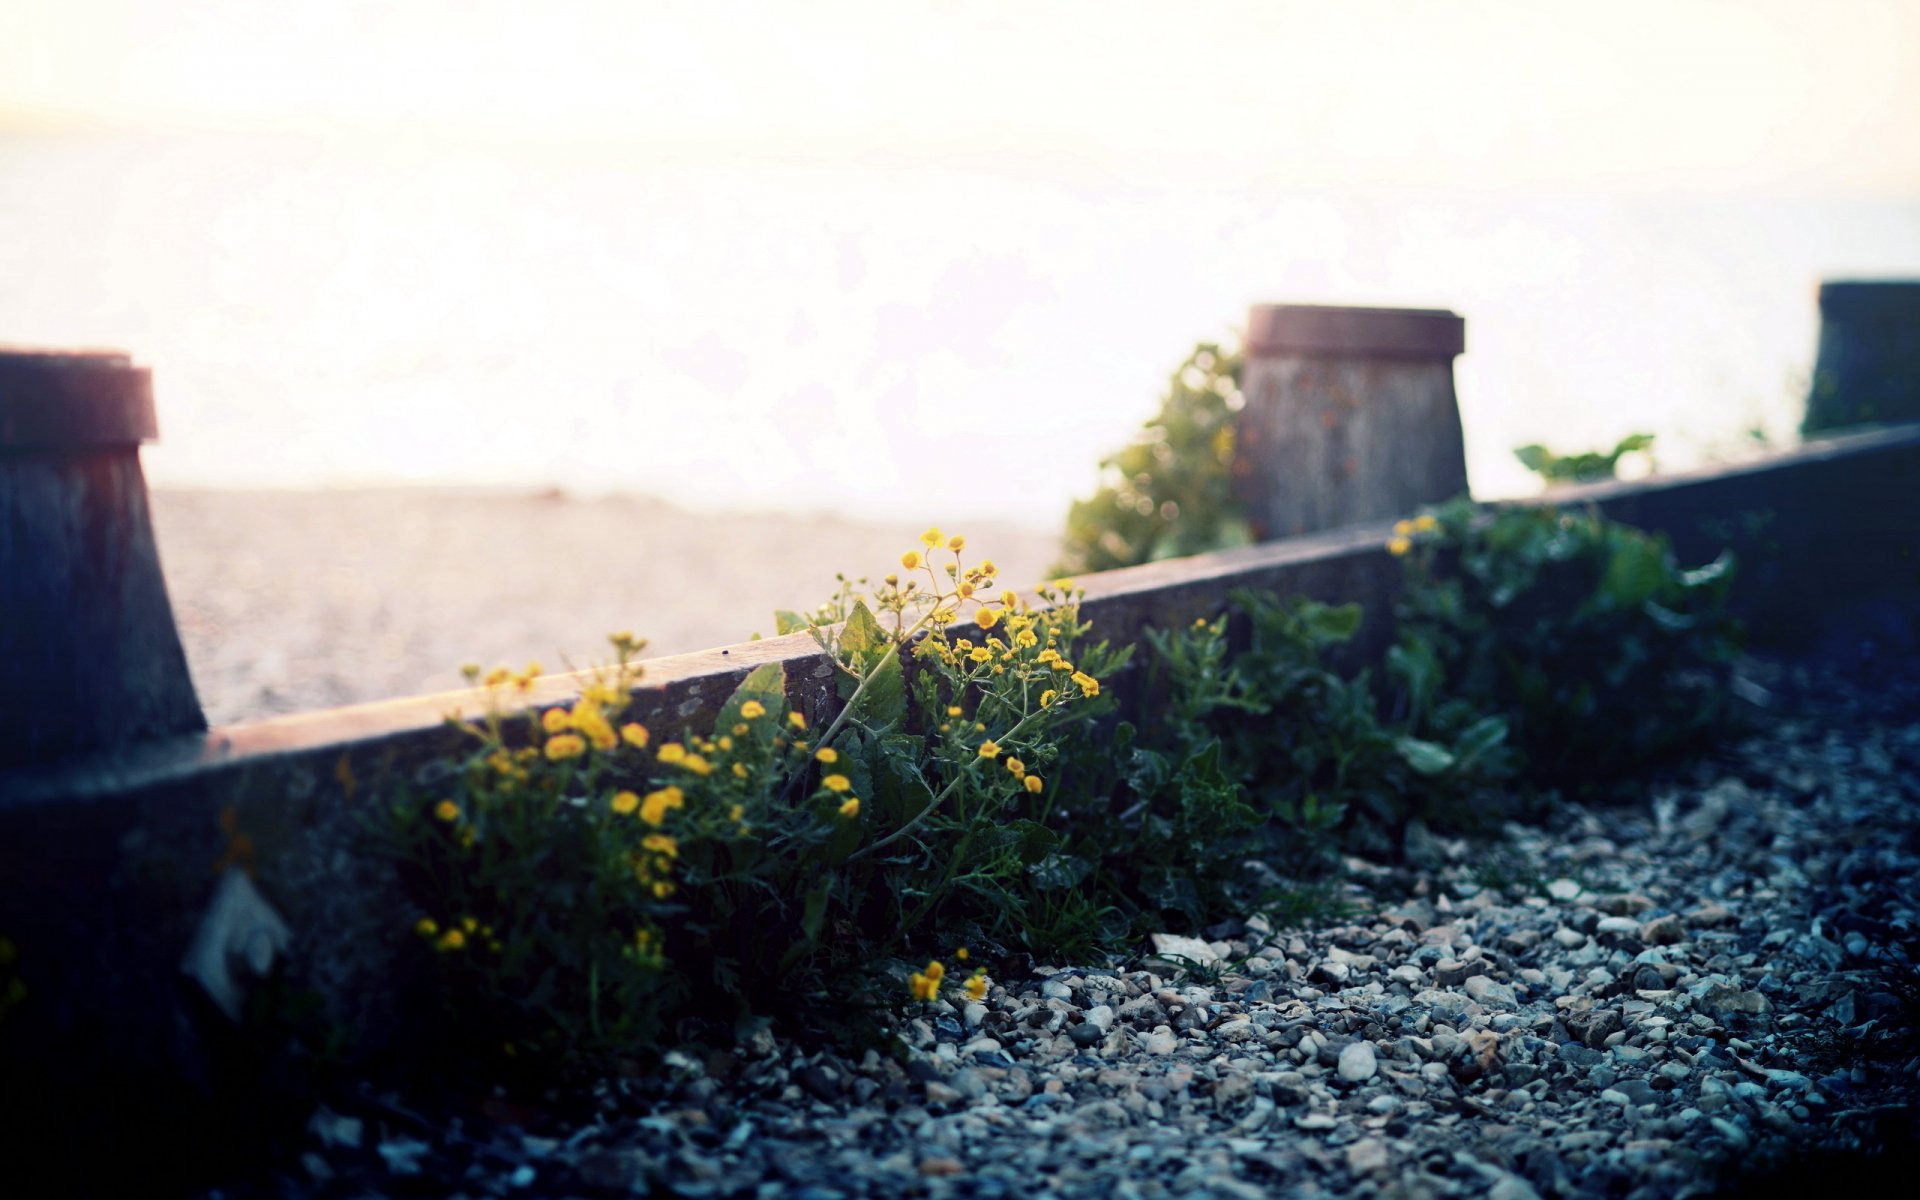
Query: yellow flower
(796, 720)
(954, 710)
(1088, 683)
(910, 559)
(696, 764)
(931, 538)
(1425, 523)
(963, 954)
(836, 783)
(956, 542)
(587, 720)
(426, 927)
(635, 735)
(827, 754)
(739, 770)
(1398, 546)
(497, 676)
(1016, 768)
(977, 988)
(1033, 784)
(1063, 585)
(753, 710)
(936, 971)
(850, 807)
(625, 803)
(556, 720)
(987, 568)
(923, 988)
(447, 811)
(1402, 528)
(980, 654)
(565, 745)
(989, 750)
(660, 843)
(1049, 655)
(662, 890)
(452, 939)
(987, 618)
(736, 812)
(671, 752)
(655, 807)
(1058, 664)
(1047, 697)
(1010, 599)
(1026, 639)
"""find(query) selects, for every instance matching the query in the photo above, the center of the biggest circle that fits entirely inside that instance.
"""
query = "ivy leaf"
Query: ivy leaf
(766, 684)
(787, 621)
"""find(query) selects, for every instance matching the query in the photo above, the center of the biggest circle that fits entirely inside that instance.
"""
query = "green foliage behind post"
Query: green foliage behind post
(1168, 492)
(1601, 648)
(1582, 468)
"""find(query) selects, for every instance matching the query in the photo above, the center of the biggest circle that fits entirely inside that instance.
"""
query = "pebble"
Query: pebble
(1357, 1063)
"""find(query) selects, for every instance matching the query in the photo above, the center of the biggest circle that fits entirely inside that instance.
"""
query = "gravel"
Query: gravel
(1637, 1000)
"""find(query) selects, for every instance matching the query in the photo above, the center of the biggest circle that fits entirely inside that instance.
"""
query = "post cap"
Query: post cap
(1336, 331)
(74, 399)
(1871, 297)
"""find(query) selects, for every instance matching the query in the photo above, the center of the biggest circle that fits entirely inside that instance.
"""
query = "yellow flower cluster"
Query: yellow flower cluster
(1404, 531)
(925, 985)
(457, 935)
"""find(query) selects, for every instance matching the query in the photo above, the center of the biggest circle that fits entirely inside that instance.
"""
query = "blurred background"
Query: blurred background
(482, 328)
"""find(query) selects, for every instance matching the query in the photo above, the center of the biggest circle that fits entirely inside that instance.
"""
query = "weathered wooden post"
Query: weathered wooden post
(89, 656)
(1868, 367)
(1350, 416)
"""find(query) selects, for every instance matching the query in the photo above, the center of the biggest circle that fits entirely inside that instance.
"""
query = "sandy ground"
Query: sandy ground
(289, 601)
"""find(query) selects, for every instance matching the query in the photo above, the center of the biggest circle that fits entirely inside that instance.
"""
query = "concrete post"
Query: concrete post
(89, 656)
(1350, 416)
(1868, 368)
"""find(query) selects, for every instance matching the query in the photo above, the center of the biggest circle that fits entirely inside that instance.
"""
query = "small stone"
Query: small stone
(1161, 1041)
(1366, 1156)
(1172, 948)
(1709, 916)
(939, 1093)
(941, 1166)
(1085, 1035)
(1564, 890)
(1719, 998)
(1484, 991)
(1625, 904)
(1617, 926)
(1736, 1137)
(1357, 1063)
(1663, 931)
(1512, 1187)
(1312, 1121)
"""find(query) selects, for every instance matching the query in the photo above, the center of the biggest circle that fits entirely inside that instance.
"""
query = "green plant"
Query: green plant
(1586, 467)
(1602, 651)
(1169, 491)
(767, 867)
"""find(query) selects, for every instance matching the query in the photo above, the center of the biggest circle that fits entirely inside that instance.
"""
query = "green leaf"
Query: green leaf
(1057, 871)
(862, 642)
(1424, 757)
(767, 684)
(788, 621)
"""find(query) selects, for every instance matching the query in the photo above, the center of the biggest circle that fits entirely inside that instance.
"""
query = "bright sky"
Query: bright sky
(1760, 96)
